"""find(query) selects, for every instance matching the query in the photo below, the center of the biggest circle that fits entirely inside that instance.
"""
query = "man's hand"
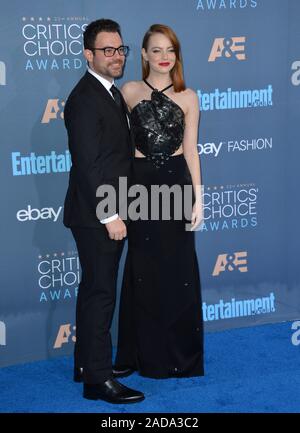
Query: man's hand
(116, 229)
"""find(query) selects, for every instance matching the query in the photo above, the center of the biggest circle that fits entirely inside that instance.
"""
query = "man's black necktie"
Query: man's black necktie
(118, 99)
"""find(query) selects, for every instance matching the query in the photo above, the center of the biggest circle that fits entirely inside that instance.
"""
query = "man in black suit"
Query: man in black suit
(102, 151)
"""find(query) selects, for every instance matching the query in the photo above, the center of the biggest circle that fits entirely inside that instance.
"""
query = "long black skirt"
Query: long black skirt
(160, 318)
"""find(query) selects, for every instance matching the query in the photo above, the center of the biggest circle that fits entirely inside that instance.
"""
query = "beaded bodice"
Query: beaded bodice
(158, 126)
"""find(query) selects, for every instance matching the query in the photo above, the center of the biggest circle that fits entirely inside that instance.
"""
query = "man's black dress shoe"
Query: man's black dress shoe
(117, 373)
(112, 391)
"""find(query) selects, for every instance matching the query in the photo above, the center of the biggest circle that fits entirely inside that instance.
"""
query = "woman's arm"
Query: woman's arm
(191, 153)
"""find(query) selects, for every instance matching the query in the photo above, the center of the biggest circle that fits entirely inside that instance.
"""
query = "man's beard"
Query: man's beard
(113, 71)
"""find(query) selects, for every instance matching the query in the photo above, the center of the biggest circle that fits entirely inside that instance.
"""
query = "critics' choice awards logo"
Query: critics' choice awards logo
(232, 47)
(220, 5)
(296, 75)
(2, 334)
(58, 276)
(66, 334)
(53, 43)
(231, 262)
(2, 74)
(235, 146)
(229, 207)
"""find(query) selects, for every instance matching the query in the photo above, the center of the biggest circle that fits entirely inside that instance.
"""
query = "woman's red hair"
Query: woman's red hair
(177, 71)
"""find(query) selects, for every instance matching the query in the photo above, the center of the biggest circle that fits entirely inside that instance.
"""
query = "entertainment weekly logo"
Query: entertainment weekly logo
(58, 276)
(33, 164)
(223, 5)
(230, 207)
(53, 43)
(231, 99)
(236, 308)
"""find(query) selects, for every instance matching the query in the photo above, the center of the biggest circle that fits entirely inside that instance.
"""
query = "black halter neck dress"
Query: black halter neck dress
(160, 316)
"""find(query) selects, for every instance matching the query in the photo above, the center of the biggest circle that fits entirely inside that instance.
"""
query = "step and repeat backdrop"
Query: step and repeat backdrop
(242, 58)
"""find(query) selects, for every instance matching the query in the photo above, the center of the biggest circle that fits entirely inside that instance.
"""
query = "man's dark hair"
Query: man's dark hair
(95, 27)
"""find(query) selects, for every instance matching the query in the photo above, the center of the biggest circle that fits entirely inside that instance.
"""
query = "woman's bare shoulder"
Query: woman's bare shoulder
(189, 100)
(189, 94)
(131, 86)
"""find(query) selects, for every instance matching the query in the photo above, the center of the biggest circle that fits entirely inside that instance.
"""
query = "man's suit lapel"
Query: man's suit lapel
(104, 93)
(109, 99)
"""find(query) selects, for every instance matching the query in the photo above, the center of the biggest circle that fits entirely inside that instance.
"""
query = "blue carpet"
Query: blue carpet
(247, 370)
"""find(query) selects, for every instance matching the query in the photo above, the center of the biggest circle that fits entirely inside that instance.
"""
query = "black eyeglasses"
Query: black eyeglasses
(110, 51)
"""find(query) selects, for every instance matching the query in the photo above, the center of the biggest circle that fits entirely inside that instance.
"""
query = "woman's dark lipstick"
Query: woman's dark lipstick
(164, 64)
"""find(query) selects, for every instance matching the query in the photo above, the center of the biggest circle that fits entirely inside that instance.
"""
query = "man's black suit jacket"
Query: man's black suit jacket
(101, 148)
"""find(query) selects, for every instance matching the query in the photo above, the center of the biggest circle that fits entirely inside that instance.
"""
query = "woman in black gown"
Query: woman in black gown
(160, 317)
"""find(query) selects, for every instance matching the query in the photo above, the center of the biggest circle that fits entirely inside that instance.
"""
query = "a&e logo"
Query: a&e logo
(228, 47)
(65, 333)
(231, 262)
(53, 110)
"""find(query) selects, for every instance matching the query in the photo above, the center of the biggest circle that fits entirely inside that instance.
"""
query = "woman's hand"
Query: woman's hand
(197, 215)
